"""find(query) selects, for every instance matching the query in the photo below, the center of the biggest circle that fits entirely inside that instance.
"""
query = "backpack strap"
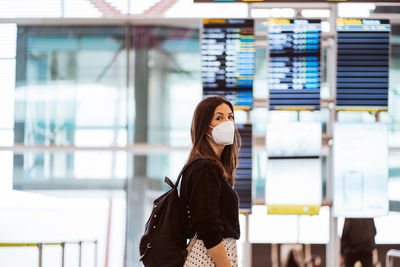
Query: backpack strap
(169, 182)
(183, 169)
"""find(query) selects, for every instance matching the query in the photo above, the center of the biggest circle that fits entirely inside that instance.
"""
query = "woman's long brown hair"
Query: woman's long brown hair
(201, 146)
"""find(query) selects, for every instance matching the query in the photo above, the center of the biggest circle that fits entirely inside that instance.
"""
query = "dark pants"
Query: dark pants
(364, 257)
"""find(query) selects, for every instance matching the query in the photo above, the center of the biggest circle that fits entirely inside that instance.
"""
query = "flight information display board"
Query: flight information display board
(362, 64)
(294, 64)
(243, 182)
(227, 56)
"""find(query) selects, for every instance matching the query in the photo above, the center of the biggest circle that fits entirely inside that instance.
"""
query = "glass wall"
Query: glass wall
(71, 91)
(173, 85)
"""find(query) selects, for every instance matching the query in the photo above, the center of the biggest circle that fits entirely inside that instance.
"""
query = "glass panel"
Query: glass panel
(259, 175)
(175, 84)
(394, 176)
(71, 90)
(87, 165)
(167, 82)
(8, 36)
(100, 137)
(394, 88)
(259, 119)
(61, 165)
(7, 74)
(260, 85)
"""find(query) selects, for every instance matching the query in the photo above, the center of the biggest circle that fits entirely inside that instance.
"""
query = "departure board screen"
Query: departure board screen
(228, 55)
(362, 64)
(243, 182)
(294, 64)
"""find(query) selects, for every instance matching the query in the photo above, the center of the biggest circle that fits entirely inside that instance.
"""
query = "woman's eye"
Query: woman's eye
(231, 118)
(219, 118)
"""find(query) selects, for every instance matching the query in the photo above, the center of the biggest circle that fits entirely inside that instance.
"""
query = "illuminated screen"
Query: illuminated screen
(293, 183)
(294, 63)
(244, 171)
(360, 156)
(294, 139)
(228, 54)
(362, 64)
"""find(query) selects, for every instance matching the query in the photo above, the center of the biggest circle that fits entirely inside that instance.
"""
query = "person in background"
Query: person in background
(316, 261)
(358, 241)
(294, 259)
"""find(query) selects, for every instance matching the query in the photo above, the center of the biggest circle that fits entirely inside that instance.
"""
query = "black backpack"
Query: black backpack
(164, 240)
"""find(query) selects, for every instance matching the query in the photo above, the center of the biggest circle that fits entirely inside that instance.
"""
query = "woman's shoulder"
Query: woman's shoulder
(201, 173)
(200, 162)
(202, 165)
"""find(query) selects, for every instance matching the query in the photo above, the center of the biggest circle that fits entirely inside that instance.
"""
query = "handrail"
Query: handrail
(62, 244)
(393, 253)
(141, 149)
(137, 149)
(32, 244)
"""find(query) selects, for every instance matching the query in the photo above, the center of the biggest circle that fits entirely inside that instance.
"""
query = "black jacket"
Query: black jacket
(212, 203)
(358, 235)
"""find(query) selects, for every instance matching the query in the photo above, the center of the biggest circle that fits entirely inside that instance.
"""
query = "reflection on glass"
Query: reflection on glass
(70, 90)
(171, 91)
(353, 190)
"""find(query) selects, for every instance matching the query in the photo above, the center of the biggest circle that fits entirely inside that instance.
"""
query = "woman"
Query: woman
(207, 185)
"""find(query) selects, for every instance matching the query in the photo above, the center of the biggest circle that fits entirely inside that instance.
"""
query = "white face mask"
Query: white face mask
(224, 133)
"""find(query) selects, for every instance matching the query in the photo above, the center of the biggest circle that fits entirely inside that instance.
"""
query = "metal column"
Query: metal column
(63, 254)
(40, 247)
(95, 253)
(80, 253)
(136, 186)
(247, 261)
(332, 249)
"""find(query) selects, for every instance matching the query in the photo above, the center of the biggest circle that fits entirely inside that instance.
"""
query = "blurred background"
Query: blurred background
(96, 102)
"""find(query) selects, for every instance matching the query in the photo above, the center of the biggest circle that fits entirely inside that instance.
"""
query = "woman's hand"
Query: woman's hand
(218, 254)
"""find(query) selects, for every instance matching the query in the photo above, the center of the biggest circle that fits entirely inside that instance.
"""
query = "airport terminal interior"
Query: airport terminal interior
(96, 104)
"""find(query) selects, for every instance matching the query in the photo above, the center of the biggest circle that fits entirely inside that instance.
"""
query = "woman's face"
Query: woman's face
(222, 113)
